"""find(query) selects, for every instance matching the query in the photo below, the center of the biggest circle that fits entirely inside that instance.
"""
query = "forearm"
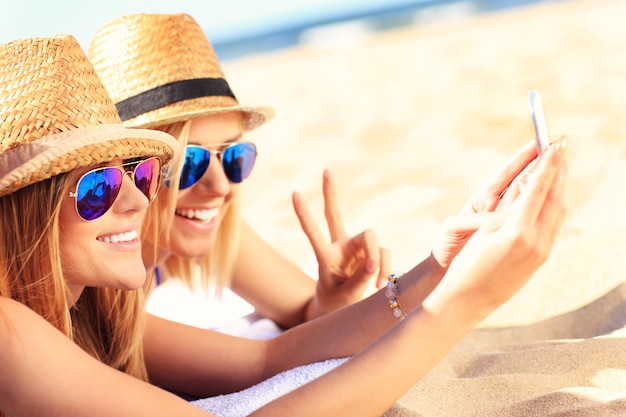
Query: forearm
(347, 331)
(313, 309)
(285, 301)
(382, 372)
(275, 286)
(200, 362)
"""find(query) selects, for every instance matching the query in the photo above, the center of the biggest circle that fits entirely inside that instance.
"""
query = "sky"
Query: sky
(228, 21)
(222, 20)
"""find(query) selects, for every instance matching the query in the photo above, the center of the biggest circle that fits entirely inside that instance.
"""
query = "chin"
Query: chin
(193, 248)
(131, 286)
(134, 278)
(191, 255)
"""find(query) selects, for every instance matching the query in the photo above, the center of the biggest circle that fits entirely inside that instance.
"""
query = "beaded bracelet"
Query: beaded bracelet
(392, 294)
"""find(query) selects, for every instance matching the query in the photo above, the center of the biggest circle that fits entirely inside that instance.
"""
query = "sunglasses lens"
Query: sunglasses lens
(238, 161)
(97, 191)
(196, 163)
(147, 175)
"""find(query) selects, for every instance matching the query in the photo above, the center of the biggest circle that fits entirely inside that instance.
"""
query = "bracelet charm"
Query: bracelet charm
(392, 293)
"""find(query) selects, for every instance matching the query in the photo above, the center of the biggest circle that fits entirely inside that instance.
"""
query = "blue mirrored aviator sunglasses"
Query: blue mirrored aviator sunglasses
(237, 159)
(97, 190)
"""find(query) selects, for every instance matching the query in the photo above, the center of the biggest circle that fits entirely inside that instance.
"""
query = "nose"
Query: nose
(130, 198)
(214, 181)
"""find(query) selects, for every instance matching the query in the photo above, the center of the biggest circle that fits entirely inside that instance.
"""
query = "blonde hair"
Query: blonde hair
(107, 323)
(213, 270)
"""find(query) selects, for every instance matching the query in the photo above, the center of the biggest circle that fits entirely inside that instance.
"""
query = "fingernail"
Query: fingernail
(561, 144)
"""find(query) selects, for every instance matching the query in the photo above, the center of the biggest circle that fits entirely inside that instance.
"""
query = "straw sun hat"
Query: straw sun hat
(55, 115)
(161, 69)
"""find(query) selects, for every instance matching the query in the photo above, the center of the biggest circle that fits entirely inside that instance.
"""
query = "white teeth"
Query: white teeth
(204, 215)
(121, 237)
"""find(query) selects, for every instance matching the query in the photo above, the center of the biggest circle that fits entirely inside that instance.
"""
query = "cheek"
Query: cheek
(72, 232)
(68, 214)
(68, 219)
(228, 200)
(162, 210)
(163, 202)
(234, 190)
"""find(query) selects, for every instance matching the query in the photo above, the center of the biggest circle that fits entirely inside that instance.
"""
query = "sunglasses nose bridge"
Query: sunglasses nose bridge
(215, 163)
(130, 174)
(131, 193)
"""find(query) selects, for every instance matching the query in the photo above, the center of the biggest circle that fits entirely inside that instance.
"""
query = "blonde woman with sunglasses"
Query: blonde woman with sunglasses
(163, 74)
(74, 188)
(74, 185)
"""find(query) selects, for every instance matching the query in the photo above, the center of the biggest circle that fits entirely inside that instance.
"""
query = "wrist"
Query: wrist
(313, 309)
(418, 283)
(393, 295)
(460, 311)
(454, 298)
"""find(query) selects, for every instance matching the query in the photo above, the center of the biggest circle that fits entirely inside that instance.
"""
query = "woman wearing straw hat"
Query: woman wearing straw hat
(70, 216)
(70, 219)
(163, 74)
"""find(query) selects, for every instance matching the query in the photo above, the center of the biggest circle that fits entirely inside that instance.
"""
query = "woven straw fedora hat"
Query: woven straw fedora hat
(161, 69)
(55, 115)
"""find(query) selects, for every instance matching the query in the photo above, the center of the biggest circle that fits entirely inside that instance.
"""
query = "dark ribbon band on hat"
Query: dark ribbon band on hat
(174, 92)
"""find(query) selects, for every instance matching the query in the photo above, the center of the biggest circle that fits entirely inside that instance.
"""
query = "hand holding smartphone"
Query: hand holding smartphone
(539, 120)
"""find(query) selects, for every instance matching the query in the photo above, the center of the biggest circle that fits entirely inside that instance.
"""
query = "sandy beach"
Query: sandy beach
(411, 122)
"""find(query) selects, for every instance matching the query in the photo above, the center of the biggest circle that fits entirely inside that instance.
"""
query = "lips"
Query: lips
(202, 215)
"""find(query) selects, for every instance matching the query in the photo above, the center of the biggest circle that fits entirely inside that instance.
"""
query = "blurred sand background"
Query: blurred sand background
(414, 120)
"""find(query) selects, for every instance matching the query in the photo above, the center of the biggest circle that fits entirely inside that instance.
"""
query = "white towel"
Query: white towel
(242, 403)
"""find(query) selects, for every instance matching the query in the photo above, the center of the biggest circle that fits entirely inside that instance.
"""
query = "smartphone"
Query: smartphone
(539, 120)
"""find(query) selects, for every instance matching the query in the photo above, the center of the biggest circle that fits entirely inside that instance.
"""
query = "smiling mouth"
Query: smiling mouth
(119, 237)
(202, 215)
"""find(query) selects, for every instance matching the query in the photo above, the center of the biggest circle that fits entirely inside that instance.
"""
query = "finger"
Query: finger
(513, 167)
(556, 219)
(561, 144)
(385, 268)
(331, 208)
(550, 219)
(553, 212)
(521, 180)
(466, 222)
(517, 186)
(540, 183)
(498, 184)
(313, 233)
(367, 242)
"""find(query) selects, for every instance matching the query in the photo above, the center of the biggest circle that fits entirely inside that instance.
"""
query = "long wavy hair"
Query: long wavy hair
(214, 269)
(107, 323)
